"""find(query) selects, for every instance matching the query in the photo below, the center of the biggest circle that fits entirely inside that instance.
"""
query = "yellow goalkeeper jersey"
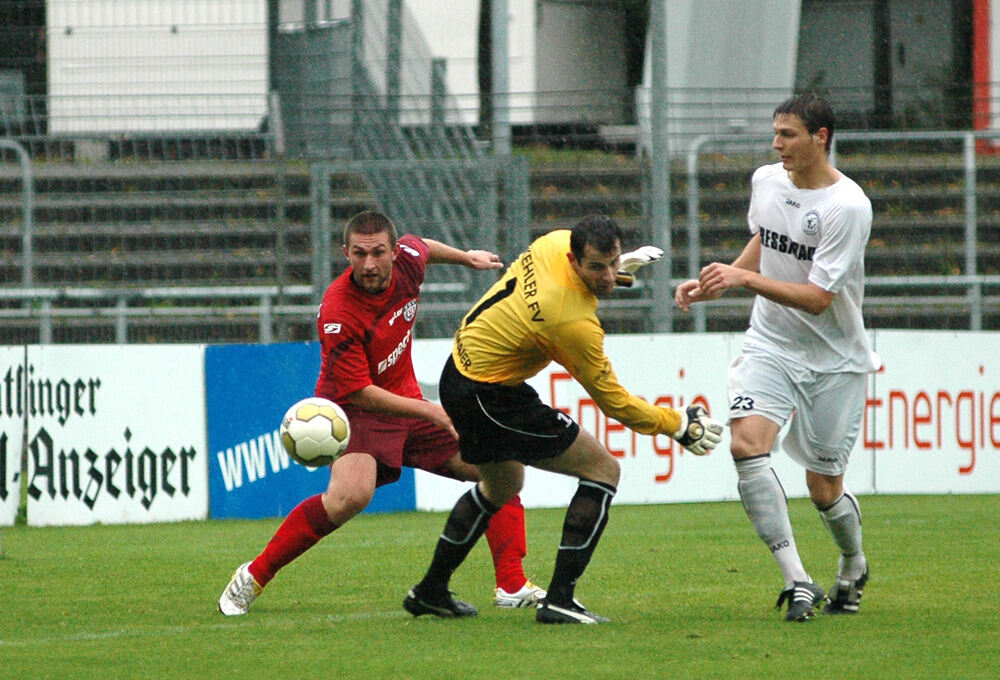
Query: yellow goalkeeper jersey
(542, 311)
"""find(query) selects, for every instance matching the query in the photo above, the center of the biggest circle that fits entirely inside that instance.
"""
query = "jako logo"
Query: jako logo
(331, 328)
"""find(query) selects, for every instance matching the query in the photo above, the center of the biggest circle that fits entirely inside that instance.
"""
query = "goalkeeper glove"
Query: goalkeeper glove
(630, 263)
(698, 433)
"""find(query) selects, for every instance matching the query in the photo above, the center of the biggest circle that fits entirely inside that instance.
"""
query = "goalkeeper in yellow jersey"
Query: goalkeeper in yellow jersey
(542, 310)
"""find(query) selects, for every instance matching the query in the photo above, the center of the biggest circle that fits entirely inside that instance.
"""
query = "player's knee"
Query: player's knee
(751, 436)
(824, 496)
(499, 494)
(593, 460)
(744, 446)
(340, 506)
(606, 470)
(500, 482)
(824, 490)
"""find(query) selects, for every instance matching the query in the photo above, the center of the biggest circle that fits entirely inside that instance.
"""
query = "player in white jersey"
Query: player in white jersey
(806, 354)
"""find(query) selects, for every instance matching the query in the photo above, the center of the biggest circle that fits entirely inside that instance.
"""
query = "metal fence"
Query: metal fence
(229, 79)
(488, 209)
(202, 252)
(189, 195)
(239, 252)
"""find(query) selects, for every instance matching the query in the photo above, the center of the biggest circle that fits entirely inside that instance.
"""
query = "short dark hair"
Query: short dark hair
(813, 110)
(598, 231)
(370, 222)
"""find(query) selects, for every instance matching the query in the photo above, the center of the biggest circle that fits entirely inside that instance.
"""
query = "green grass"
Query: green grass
(689, 587)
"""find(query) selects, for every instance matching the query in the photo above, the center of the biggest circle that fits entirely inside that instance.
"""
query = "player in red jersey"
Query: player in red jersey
(365, 326)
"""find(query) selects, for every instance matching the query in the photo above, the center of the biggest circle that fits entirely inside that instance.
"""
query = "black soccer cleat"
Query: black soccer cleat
(845, 596)
(573, 612)
(802, 597)
(446, 606)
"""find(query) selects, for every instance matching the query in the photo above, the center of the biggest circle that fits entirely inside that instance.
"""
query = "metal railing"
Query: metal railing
(28, 212)
(267, 307)
(123, 309)
(112, 305)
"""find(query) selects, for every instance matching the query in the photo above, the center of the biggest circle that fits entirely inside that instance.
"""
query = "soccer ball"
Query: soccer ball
(315, 432)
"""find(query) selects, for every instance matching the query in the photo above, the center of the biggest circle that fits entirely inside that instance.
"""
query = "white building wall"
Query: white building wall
(563, 57)
(994, 62)
(522, 48)
(452, 32)
(728, 65)
(580, 62)
(848, 26)
(838, 52)
(122, 66)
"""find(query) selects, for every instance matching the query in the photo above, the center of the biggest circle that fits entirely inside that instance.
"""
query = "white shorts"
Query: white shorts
(825, 409)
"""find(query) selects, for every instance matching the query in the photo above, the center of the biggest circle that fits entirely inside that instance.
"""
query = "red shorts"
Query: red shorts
(395, 442)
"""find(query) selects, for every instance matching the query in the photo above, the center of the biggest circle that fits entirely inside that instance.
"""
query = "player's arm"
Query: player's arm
(717, 278)
(582, 353)
(345, 365)
(379, 400)
(692, 291)
(442, 253)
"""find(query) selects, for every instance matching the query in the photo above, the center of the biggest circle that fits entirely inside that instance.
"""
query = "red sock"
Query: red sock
(508, 544)
(305, 525)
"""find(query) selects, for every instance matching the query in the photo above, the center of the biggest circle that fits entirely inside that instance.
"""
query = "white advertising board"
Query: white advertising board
(935, 413)
(932, 419)
(156, 65)
(669, 370)
(11, 430)
(116, 434)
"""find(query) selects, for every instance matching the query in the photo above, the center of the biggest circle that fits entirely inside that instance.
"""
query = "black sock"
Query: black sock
(586, 517)
(466, 523)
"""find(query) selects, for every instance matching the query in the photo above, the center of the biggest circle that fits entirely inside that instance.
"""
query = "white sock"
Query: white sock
(843, 521)
(766, 506)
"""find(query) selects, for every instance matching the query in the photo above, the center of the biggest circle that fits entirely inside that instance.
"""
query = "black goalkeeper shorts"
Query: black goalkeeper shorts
(503, 422)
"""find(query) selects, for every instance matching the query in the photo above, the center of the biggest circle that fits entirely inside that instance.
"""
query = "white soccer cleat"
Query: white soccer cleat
(240, 593)
(528, 596)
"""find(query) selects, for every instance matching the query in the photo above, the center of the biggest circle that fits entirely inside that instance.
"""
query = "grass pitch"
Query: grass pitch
(689, 587)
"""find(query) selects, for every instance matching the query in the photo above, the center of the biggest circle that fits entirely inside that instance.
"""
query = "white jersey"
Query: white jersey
(817, 236)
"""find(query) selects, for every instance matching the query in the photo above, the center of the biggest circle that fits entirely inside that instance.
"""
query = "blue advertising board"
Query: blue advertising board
(248, 388)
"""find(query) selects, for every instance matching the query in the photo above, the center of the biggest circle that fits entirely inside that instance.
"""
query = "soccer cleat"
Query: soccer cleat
(528, 596)
(845, 597)
(447, 607)
(801, 597)
(240, 593)
(571, 613)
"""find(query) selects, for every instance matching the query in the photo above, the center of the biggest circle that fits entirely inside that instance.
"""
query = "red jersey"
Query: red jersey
(366, 339)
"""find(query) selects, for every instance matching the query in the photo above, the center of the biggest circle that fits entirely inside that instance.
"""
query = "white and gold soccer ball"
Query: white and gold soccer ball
(315, 432)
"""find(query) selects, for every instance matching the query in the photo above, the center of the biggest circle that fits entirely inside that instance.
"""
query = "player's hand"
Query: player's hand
(484, 259)
(698, 433)
(717, 278)
(686, 294)
(692, 291)
(631, 262)
(437, 415)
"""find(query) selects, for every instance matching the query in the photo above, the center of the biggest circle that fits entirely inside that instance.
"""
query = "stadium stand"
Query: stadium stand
(124, 227)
